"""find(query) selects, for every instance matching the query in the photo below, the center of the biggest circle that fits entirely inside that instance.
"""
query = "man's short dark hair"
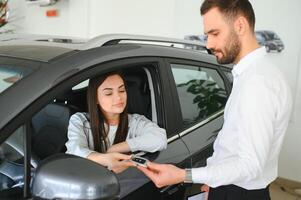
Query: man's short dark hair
(231, 9)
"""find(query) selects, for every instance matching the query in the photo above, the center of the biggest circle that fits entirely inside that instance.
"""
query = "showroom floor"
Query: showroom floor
(281, 190)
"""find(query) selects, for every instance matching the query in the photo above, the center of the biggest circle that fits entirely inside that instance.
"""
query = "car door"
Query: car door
(134, 184)
(24, 151)
(202, 92)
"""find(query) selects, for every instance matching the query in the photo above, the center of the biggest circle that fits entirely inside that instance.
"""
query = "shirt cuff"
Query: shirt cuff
(199, 175)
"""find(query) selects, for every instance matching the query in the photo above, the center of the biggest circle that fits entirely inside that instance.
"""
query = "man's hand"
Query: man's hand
(163, 174)
(205, 188)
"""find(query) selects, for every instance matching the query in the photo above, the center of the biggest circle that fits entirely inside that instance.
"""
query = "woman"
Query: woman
(107, 131)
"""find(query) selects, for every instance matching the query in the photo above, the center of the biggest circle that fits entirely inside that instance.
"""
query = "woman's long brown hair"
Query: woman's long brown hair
(97, 118)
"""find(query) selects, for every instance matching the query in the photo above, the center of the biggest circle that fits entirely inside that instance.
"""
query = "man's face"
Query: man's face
(222, 39)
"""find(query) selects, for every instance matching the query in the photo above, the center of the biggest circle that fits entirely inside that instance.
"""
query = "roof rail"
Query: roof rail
(43, 40)
(112, 39)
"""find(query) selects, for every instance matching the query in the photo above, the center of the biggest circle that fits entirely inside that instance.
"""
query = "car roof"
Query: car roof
(265, 31)
(37, 47)
(32, 52)
(46, 47)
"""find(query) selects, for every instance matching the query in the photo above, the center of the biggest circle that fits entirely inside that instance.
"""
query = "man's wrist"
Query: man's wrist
(188, 175)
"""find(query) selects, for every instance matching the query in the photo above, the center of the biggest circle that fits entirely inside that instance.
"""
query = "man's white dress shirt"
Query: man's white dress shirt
(256, 117)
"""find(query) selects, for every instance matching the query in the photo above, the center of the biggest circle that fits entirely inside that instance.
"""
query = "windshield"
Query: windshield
(12, 73)
(259, 37)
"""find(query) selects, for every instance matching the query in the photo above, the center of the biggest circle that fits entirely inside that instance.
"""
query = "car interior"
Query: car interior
(53, 119)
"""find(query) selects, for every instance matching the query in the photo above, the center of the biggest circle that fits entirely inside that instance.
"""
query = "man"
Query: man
(256, 116)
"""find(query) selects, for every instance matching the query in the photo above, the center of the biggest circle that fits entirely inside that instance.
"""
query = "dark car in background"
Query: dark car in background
(198, 38)
(43, 81)
(270, 40)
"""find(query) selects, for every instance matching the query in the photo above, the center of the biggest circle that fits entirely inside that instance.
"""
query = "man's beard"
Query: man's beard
(231, 50)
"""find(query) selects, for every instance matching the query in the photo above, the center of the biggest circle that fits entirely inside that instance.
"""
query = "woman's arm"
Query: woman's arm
(77, 143)
(145, 135)
(116, 162)
(121, 147)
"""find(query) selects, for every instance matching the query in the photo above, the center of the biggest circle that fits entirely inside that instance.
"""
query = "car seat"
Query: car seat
(139, 100)
(50, 127)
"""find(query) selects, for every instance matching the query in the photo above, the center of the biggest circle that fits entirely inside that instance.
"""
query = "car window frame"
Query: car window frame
(223, 70)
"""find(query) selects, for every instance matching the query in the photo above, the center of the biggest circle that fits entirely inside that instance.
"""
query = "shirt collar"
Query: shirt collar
(245, 62)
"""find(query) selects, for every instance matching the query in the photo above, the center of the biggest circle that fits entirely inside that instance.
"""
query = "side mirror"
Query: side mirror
(67, 176)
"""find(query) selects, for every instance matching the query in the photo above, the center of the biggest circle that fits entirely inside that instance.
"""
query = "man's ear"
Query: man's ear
(240, 25)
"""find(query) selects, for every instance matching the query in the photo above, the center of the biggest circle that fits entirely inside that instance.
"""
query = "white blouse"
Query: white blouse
(143, 135)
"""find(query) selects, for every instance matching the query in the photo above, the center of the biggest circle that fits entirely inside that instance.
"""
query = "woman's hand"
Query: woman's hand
(116, 162)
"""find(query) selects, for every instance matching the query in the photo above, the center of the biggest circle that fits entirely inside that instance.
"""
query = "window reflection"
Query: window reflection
(201, 92)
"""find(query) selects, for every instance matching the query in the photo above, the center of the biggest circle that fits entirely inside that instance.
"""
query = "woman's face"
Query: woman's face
(111, 95)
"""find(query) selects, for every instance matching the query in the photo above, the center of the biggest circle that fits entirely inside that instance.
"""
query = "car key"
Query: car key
(139, 161)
